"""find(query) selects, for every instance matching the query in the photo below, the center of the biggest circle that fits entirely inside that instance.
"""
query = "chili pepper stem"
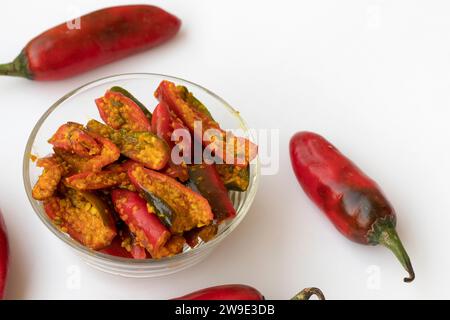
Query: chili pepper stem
(307, 293)
(17, 68)
(384, 233)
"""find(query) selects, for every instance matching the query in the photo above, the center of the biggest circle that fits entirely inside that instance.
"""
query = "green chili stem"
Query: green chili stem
(17, 68)
(8, 69)
(307, 293)
(384, 233)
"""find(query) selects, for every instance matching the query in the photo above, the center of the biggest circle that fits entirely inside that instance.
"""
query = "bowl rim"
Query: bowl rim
(129, 261)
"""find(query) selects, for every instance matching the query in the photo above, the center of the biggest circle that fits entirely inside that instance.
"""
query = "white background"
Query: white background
(372, 76)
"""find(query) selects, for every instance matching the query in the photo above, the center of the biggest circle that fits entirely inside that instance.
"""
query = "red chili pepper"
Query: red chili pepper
(163, 124)
(135, 212)
(104, 36)
(84, 216)
(73, 138)
(116, 249)
(243, 292)
(121, 112)
(350, 199)
(4, 256)
(143, 147)
(188, 209)
(208, 183)
(222, 143)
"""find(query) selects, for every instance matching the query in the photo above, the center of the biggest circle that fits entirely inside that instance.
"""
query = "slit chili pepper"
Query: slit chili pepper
(4, 256)
(243, 292)
(351, 200)
(103, 36)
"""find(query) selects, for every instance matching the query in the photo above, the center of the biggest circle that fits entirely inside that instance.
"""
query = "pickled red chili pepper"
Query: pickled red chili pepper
(350, 199)
(208, 183)
(84, 216)
(104, 36)
(143, 147)
(48, 181)
(86, 151)
(121, 112)
(190, 210)
(4, 256)
(135, 212)
(116, 249)
(73, 138)
(127, 94)
(164, 123)
(221, 143)
(243, 292)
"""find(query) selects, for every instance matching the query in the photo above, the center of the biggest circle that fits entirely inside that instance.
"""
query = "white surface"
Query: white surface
(371, 76)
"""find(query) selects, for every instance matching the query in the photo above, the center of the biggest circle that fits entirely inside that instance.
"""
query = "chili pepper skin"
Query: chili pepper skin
(208, 183)
(190, 210)
(163, 125)
(350, 199)
(221, 142)
(121, 112)
(4, 256)
(127, 94)
(243, 292)
(116, 249)
(104, 36)
(133, 210)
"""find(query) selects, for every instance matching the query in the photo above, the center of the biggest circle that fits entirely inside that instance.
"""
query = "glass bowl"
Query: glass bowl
(78, 105)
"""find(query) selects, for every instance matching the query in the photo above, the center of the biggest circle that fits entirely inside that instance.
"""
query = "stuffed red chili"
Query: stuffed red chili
(114, 188)
(351, 200)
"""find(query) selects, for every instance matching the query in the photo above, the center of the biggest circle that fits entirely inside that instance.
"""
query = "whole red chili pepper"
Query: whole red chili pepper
(350, 199)
(102, 37)
(4, 253)
(243, 292)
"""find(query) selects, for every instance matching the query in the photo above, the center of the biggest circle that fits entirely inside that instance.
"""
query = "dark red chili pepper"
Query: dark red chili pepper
(133, 210)
(4, 256)
(243, 292)
(84, 216)
(143, 147)
(188, 210)
(163, 124)
(350, 199)
(208, 183)
(120, 112)
(127, 94)
(116, 249)
(103, 36)
(221, 143)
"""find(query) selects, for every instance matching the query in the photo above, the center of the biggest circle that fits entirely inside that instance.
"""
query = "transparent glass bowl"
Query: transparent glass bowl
(78, 105)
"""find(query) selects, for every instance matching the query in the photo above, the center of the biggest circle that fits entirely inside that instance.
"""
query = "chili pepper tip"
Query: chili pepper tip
(307, 293)
(384, 233)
